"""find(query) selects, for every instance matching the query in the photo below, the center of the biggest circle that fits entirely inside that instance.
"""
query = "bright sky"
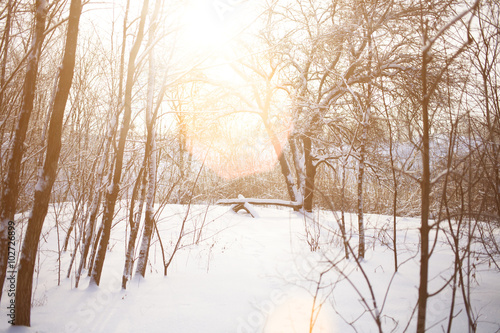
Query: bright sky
(238, 146)
(209, 25)
(205, 38)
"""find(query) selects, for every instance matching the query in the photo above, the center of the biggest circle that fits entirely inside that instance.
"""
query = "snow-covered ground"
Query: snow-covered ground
(235, 273)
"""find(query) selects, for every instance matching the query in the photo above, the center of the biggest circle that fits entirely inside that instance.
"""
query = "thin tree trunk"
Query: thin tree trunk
(425, 183)
(342, 224)
(394, 212)
(48, 175)
(149, 217)
(95, 244)
(4, 49)
(135, 220)
(395, 182)
(150, 154)
(361, 172)
(111, 131)
(362, 151)
(76, 214)
(425, 188)
(299, 163)
(112, 193)
(285, 168)
(11, 181)
(310, 174)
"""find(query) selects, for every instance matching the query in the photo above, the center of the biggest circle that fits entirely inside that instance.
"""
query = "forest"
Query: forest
(171, 143)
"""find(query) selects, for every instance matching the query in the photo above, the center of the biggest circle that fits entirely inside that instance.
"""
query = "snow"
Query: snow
(253, 275)
(41, 183)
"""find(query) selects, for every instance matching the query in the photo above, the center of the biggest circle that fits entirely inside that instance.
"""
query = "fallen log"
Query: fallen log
(244, 206)
(243, 203)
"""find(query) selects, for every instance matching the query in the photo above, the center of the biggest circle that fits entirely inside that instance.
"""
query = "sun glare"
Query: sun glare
(207, 26)
(201, 29)
(294, 315)
(236, 145)
(231, 142)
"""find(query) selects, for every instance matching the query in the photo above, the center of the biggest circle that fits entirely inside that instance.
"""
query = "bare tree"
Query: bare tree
(112, 193)
(150, 152)
(428, 88)
(11, 181)
(111, 129)
(48, 174)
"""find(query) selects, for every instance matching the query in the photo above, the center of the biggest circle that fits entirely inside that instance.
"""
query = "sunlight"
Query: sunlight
(202, 31)
(232, 142)
(295, 316)
(207, 25)
(236, 145)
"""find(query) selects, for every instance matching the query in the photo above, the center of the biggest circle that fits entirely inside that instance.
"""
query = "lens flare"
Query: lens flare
(295, 316)
(237, 144)
(232, 143)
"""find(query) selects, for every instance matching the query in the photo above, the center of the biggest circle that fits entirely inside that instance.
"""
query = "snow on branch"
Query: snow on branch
(256, 201)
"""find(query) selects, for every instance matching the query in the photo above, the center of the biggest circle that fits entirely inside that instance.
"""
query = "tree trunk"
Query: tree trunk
(11, 181)
(425, 188)
(92, 212)
(361, 173)
(76, 215)
(95, 245)
(135, 221)
(394, 180)
(285, 169)
(111, 131)
(299, 163)
(365, 119)
(112, 193)
(4, 50)
(310, 174)
(48, 174)
(342, 204)
(149, 217)
(148, 220)
(150, 154)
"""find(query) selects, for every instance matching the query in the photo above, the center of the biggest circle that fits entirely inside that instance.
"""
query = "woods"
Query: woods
(354, 108)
